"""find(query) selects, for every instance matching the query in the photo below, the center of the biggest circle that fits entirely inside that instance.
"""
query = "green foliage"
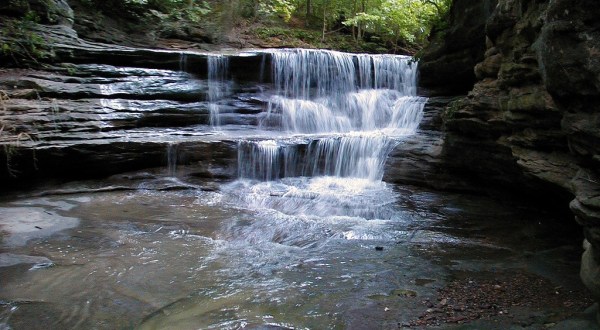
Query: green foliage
(367, 21)
(276, 8)
(299, 37)
(386, 23)
(138, 9)
(20, 43)
(406, 21)
(393, 21)
(191, 13)
(290, 37)
(452, 108)
(284, 32)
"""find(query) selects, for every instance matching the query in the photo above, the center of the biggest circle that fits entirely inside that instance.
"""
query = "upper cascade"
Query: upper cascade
(321, 91)
(347, 108)
(314, 73)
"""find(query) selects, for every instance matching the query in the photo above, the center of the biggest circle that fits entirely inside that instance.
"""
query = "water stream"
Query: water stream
(218, 70)
(343, 114)
(308, 236)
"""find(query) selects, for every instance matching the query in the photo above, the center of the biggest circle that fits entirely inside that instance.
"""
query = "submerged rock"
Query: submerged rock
(22, 224)
(10, 259)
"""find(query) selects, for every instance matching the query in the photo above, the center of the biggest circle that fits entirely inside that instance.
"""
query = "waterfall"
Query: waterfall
(218, 67)
(348, 111)
(172, 159)
(183, 62)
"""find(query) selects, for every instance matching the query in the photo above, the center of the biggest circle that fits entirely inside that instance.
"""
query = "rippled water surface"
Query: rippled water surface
(298, 252)
(307, 237)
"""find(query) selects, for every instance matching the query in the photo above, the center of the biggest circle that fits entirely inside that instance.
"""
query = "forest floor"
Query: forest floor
(505, 300)
(164, 33)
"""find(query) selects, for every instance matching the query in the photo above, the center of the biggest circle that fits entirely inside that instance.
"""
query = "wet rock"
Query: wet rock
(49, 11)
(10, 259)
(418, 159)
(95, 120)
(85, 158)
(22, 224)
(115, 82)
(530, 121)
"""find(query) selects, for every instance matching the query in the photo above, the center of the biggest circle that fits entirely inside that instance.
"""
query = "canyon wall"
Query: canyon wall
(531, 120)
(517, 82)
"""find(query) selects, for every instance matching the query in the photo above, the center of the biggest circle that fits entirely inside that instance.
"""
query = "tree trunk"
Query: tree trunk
(437, 7)
(354, 35)
(324, 21)
(308, 13)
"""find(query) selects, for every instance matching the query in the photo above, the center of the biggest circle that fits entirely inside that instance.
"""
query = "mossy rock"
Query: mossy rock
(47, 11)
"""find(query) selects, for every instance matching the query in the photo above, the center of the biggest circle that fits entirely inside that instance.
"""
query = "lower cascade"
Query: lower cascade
(338, 116)
(257, 200)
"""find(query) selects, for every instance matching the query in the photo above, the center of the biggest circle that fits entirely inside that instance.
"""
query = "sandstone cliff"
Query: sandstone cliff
(531, 121)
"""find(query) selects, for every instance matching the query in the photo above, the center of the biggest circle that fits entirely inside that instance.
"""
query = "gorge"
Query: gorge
(295, 188)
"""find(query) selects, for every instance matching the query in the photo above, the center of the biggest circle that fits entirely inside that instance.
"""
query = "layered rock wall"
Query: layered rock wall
(446, 66)
(531, 122)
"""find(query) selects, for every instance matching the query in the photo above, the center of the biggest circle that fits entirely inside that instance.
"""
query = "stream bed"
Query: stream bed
(150, 251)
(281, 219)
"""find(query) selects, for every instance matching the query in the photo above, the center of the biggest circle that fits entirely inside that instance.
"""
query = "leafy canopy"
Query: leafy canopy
(394, 22)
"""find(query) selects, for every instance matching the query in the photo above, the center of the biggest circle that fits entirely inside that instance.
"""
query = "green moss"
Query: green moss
(452, 108)
(21, 44)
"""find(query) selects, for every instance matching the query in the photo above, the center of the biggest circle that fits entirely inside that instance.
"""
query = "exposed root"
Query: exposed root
(9, 138)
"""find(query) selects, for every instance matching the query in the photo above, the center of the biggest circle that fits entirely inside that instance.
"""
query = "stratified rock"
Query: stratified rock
(48, 11)
(530, 122)
(568, 51)
(418, 160)
(446, 66)
(81, 121)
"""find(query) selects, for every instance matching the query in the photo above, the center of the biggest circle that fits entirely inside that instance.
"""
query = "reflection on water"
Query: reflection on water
(309, 237)
(298, 252)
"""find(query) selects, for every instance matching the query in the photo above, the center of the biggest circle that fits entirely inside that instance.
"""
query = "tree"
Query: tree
(407, 21)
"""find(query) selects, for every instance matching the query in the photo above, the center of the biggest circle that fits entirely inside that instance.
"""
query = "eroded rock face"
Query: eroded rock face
(447, 65)
(95, 120)
(48, 11)
(98, 109)
(532, 119)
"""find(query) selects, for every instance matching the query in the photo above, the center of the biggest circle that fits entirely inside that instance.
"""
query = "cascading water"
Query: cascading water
(340, 115)
(183, 61)
(172, 159)
(218, 67)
